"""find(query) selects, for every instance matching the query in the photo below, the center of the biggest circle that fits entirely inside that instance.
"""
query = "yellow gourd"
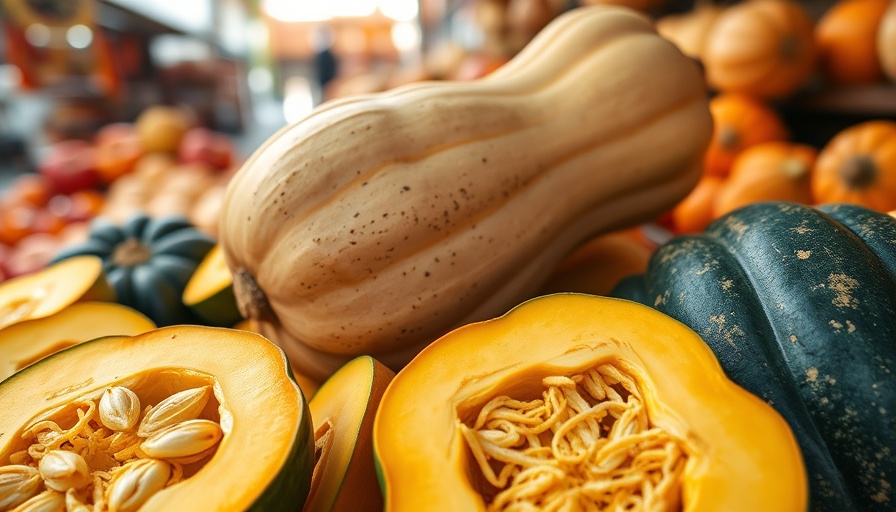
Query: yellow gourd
(671, 431)
(380, 222)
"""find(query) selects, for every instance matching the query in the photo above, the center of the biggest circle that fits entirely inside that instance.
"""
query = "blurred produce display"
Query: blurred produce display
(408, 297)
(163, 164)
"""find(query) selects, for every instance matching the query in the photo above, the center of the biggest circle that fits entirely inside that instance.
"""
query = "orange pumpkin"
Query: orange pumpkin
(771, 171)
(695, 211)
(739, 122)
(858, 165)
(765, 48)
(596, 266)
(846, 36)
(689, 29)
(886, 42)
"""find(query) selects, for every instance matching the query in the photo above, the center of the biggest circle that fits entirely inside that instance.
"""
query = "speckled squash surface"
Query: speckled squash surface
(798, 304)
(378, 223)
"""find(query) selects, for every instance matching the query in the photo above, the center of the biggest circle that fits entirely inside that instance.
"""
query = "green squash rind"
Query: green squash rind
(294, 483)
(800, 311)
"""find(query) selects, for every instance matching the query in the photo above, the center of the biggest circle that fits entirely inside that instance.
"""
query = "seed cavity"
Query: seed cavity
(105, 452)
(586, 442)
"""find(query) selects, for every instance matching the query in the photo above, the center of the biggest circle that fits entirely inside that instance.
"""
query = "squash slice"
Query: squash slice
(26, 342)
(732, 450)
(47, 291)
(264, 454)
(209, 292)
(343, 409)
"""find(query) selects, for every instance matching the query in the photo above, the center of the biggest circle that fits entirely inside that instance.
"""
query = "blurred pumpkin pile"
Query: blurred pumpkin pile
(161, 164)
(758, 57)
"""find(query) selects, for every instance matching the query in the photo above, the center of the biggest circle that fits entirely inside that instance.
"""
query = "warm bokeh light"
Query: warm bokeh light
(308, 11)
(79, 36)
(298, 98)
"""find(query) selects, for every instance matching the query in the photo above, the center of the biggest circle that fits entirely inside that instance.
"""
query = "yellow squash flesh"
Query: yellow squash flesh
(26, 342)
(380, 222)
(209, 292)
(51, 289)
(741, 454)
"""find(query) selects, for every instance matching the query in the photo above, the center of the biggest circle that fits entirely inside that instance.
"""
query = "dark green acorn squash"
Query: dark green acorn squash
(799, 305)
(148, 261)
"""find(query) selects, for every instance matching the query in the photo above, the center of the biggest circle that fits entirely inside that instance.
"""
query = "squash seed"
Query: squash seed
(18, 484)
(184, 439)
(74, 504)
(47, 501)
(119, 408)
(63, 470)
(136, 483)
(181, 406)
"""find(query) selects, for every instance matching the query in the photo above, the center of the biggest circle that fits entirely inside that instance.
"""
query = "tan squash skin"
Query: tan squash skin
(380, 222)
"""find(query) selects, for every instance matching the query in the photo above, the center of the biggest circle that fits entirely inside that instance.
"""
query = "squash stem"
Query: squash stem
(250, 298)
(859, 172)
(130, 253)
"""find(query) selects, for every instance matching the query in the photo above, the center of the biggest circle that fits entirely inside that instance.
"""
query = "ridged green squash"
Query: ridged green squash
(799, 305)
(148, 261)
(263, 461)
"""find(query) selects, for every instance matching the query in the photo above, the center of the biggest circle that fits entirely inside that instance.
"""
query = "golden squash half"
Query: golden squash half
(343, 409)
(700, 442)
(259, 455)
(51, 289)
(29, 341)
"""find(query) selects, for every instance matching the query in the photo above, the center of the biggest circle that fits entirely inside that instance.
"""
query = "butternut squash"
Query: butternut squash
(380, 222)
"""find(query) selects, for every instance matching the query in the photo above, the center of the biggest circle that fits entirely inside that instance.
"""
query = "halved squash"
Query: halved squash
(27, 342)
(449, 418)
(209, 292)
(343, 409)
(47, 291)
(264, 454)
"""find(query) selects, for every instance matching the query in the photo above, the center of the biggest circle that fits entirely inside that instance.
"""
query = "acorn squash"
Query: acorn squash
(224, 392)
(209, 292)
(343, 409)
(26, 342)
(148, 261)
(798, 303)
(52, 289)
(379, 222)
(570, 401)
